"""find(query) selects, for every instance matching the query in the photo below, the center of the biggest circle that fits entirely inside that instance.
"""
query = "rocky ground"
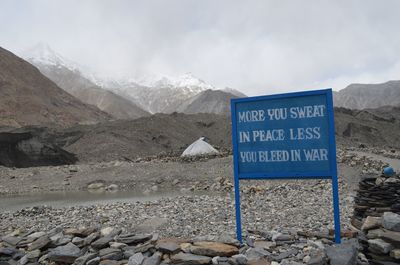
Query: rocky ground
(111, 245)
(158, 173)
(300, 210)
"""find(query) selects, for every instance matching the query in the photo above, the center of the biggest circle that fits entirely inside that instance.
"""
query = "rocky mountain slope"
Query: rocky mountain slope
(27, 97)
(67, 76)
(371, 127)
(234, 92)
(159, 94)
(186, 94)
(362, 96)
(164, 95)
(209, 101)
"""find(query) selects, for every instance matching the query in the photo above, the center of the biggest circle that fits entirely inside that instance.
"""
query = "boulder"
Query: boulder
(379, 246)
(371, 223)
(342, 254)
(391, 221)
(395, 253)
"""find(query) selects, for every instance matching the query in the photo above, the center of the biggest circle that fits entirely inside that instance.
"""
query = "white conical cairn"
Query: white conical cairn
(199, 147)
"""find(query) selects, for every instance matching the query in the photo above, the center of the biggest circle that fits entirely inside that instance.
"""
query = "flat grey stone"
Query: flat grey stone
(256, 253)
(108, 262)
(240, 259)
(168, 247)
(111, 254)
(39, 243)
(11, 240)
(391, 221)
(379, 246)
(37, 234)
(189, 259)
(66, 254)
(101, 242)
(371, 223)
(110, 231)
(136, 259)
(317, 257)
(94, 261)
(342, 254)
(7, 251)
(90, 238)
(84, 259)
(153, 260)
(78, 241)
(133, 239)
(285, 255)
(117, 245)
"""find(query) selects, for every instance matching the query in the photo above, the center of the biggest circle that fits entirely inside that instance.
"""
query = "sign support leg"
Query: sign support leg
(336, 210)
(237, 206)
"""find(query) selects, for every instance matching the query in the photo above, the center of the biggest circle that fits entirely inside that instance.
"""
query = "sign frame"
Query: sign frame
(330, 174)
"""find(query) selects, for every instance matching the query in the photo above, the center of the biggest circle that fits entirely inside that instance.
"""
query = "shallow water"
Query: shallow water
(79, 198)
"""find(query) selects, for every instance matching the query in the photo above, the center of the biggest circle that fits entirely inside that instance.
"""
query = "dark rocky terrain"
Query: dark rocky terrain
(25, 150)
(147, 136)
(378, 127)
(170, 134)
(29, 98)
(363, 96)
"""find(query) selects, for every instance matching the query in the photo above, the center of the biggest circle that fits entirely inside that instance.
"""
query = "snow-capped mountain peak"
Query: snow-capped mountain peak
(41, 53)
(187, 80)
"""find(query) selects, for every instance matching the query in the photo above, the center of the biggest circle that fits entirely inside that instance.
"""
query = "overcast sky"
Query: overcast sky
(258, 47)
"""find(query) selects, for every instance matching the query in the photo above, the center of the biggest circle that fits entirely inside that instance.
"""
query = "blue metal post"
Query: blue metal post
(335, 185)
(238, 215)
(236, 173)
(336, 210)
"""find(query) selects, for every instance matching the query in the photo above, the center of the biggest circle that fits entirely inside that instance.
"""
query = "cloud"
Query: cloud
(258, 47)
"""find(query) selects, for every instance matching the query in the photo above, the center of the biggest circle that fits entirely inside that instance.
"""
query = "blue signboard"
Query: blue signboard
(286, 136)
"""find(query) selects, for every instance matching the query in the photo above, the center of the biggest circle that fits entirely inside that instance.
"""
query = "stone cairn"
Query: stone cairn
(377, 215)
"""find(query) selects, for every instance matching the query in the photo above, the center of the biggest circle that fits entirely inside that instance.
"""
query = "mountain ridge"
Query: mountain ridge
(27, 97)
(80, 87)
(162, 94)
(364, 96)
